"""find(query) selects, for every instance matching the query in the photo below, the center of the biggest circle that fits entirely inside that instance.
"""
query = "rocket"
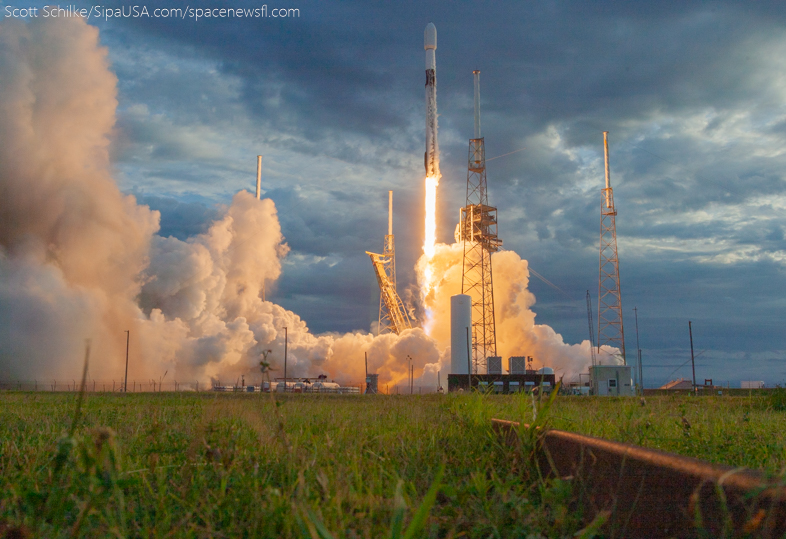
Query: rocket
(431, 157)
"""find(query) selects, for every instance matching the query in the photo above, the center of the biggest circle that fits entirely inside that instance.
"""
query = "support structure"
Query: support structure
(393, 317)
(638, 350)
(591, 329)
(478, 231)
(610, 328)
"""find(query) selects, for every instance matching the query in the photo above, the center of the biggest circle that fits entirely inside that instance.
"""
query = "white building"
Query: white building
(611, 380)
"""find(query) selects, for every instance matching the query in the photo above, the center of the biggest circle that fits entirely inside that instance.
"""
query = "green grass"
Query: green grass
(734, 431)
(239, 465)
(236, 465)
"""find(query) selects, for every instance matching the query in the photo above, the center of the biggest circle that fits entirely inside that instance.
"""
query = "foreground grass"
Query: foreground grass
(734, 431)
(224, 465)
(239, 465)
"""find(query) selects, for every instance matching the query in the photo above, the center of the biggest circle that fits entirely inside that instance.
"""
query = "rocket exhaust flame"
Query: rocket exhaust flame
(431, 217)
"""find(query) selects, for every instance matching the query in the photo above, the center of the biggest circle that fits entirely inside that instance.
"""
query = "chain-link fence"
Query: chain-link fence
(104, 386)
(157, 386)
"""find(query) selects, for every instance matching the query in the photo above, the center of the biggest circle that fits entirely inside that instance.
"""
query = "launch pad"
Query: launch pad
(501, 383)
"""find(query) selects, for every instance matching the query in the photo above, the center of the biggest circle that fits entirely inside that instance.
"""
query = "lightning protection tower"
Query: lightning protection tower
(591, 330)
(478, 232)
(610, 330)
(393, 317)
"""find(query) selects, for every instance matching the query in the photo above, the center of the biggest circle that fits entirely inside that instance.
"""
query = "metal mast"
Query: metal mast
(393, 317)
(610, 330)
(591, 329)
(478, 232)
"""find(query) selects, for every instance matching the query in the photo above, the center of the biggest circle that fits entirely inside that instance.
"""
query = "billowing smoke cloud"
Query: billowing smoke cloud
(517, 332)
(71, 245)
(78, 259)
(209, 291)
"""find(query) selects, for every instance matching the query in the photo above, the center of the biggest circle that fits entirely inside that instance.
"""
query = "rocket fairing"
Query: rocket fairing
(431, 157)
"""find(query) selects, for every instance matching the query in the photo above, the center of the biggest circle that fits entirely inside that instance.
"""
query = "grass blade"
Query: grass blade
(419, 520)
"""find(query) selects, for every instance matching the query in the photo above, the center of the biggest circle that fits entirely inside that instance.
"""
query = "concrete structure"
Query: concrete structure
(751, 384)
(501, 383)
(611, 380)
(460, 345)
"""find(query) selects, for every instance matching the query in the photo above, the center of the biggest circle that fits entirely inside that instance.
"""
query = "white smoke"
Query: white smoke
(78, 259)
(71, 245)
(516, 331)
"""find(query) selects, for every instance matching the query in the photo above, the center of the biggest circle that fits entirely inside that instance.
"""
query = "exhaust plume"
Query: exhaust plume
(517, 332)
(80, 259)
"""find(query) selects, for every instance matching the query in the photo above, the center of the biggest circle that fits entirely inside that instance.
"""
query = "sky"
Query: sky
(692, 94)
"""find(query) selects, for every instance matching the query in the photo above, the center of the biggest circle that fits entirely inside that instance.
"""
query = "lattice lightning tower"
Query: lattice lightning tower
(610, 330)
(393, 317)
(478, 231)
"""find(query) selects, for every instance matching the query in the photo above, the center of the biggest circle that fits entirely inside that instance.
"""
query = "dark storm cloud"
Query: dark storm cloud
(178, 218)
(330, 293)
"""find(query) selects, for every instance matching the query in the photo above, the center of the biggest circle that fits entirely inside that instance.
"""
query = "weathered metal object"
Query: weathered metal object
(653, 494)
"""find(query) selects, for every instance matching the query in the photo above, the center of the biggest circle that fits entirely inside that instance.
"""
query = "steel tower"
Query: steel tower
(610, 330)
(478, 232)
(393, 317)
(591, 330)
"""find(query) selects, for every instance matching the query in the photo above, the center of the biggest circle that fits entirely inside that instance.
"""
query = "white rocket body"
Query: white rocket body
(431, 158)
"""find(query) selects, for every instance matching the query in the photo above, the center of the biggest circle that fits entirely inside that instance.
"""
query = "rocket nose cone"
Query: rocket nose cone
(430, 37)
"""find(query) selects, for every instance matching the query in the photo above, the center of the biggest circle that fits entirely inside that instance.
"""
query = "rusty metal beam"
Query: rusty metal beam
(654, 494)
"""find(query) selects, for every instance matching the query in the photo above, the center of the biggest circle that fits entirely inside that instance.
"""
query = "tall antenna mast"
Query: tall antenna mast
(610, 329)
(259, 176)
(477, 103)
(478, 231)
(389, 249)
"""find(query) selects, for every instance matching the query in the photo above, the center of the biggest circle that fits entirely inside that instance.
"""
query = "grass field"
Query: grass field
(735, 431)
(240, 465)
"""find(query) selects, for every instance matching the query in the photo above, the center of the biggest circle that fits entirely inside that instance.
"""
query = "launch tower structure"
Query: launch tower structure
(478, 231)
(610, 330)
(393, 317)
